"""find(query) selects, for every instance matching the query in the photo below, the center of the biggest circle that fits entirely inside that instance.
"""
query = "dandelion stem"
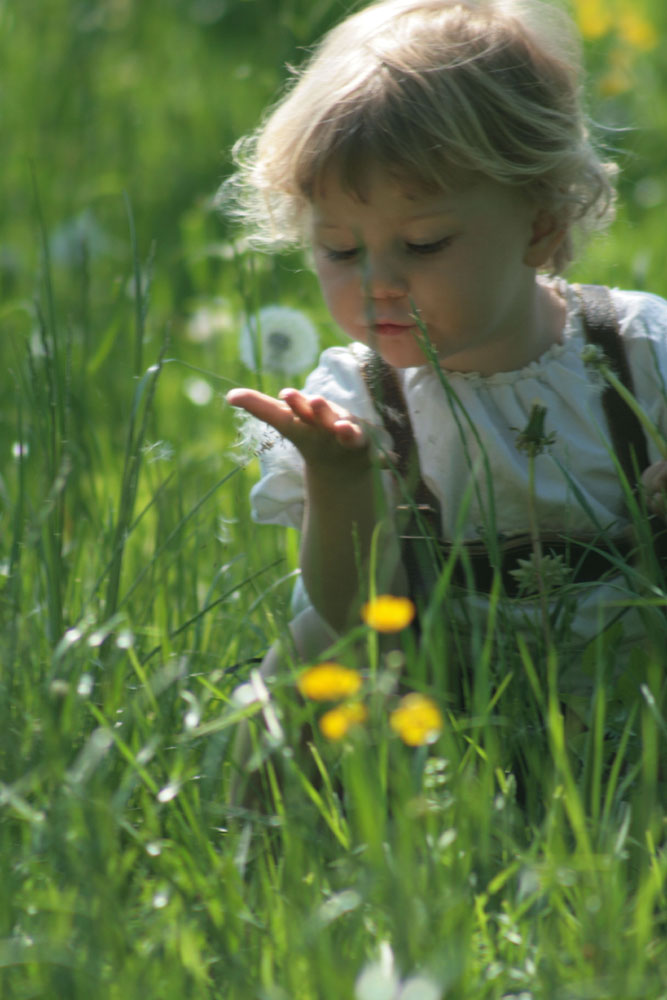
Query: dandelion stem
(537, 552)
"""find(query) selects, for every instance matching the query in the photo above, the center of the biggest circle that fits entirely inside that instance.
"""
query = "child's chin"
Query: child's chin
(400, 355)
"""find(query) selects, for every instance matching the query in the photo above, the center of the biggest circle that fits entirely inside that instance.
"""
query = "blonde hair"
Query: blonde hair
(435, 91)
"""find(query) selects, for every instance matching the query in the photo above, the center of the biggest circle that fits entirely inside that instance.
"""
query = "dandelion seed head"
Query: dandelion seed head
(279, 339)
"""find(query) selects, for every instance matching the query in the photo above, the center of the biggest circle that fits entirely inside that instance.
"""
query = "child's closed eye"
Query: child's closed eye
(351, 253)
(332, 254)
(432, 247)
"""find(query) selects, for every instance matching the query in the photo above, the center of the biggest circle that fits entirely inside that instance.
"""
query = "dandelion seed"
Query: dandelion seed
(279, 339)
(337, 722)
(198, 391)
(328, 682)
(85, 686)
(388, 614)
(153, 849)
(160, 899)
(417, 720)
(169, 792)
(192, 717)
(125, 639)
(158, 451)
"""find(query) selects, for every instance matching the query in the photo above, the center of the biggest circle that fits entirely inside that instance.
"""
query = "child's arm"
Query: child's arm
(341, 505)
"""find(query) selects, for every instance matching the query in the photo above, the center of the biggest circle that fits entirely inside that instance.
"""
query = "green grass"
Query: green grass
(511, 860)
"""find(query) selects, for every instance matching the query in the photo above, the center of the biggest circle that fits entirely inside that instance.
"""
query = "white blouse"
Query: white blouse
(469, 434)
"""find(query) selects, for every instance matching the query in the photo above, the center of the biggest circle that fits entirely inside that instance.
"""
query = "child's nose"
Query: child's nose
(384, 277)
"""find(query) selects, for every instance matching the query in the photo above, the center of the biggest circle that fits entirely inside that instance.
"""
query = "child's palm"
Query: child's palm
(324, 432)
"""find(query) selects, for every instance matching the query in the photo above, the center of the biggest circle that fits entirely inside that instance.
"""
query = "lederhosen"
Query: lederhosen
(476, 562)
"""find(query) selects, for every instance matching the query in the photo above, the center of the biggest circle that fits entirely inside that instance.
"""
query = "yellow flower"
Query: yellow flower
(388, 614)
(328, 682)
(336, 723)
(594, 18)
(417, 720)
(637, 31)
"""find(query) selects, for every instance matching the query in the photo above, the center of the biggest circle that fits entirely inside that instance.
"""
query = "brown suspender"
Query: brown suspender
(589, 559)
(601, 325)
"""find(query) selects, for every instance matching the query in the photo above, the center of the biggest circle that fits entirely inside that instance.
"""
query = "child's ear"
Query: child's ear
(547, 234)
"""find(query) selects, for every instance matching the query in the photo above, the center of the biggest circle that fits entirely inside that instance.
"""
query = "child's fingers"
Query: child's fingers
(272, 411)
(320, 412)
(301, 418)
(299, 404)
(349, 433)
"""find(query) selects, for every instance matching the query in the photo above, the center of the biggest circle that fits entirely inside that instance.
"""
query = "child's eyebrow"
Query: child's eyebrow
(432, 213)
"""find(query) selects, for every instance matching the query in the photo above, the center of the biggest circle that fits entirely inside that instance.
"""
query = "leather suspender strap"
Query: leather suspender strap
(602, 329)
(389, 401)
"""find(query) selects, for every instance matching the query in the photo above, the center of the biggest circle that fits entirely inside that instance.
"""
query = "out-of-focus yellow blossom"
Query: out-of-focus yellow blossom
(619, 79)
(328, 682)
(337, 722)
(637, 30)
(417, 720)
(388, 614)
(594, 18)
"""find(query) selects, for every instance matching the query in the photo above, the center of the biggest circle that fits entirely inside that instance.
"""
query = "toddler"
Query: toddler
(434, 157)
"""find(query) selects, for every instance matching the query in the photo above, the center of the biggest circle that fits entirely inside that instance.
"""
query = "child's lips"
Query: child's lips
(389, 329)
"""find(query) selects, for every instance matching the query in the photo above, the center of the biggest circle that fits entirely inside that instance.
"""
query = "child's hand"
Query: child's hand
(324, 433)
(654, 481)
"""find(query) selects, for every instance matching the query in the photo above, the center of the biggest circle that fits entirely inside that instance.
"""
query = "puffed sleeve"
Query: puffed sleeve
(279, 496)
(643, 323)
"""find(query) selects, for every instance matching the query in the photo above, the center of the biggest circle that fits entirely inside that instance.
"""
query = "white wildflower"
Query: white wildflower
(208, 320)
(279, 339)
(379, 981)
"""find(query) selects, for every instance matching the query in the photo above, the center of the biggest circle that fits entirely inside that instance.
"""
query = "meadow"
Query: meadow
(499, 857)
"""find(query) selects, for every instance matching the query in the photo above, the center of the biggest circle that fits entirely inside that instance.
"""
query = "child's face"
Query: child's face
(465, 261)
